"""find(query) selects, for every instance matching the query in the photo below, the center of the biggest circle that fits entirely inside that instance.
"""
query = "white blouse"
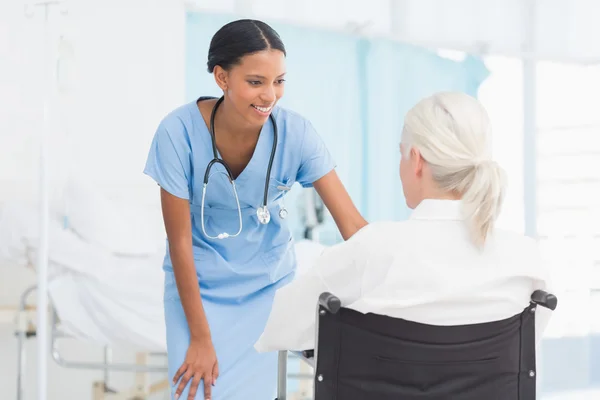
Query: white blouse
(425, 269)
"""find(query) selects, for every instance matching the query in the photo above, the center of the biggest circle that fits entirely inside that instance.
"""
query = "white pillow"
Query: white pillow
(117, 227)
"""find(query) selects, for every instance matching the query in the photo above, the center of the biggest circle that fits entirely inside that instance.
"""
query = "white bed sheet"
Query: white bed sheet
(99, 296)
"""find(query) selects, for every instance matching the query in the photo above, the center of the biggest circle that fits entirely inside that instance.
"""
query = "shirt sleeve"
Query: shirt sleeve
(316, 161)
(291, 324)
(168, 161)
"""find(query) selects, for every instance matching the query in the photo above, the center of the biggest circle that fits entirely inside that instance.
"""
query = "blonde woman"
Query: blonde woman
(447, 264)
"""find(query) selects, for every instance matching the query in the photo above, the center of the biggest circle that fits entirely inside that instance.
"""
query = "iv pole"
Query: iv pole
(42, 261)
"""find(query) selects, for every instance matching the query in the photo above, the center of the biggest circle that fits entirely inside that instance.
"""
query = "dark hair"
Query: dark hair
(239, 38)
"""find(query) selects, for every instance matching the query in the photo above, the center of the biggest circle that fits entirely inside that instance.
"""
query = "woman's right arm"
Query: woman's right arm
(176, 215)
(200, 360)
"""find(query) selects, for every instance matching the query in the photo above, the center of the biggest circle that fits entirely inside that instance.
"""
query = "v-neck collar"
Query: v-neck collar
(207, 137)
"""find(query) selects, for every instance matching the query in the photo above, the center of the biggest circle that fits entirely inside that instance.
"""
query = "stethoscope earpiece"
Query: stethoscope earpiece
(283, 213)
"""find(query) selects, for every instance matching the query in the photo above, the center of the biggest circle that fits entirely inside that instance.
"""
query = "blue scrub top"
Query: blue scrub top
(234, 268)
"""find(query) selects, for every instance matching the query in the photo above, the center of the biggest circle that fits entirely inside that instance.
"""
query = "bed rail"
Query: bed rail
(26, 329)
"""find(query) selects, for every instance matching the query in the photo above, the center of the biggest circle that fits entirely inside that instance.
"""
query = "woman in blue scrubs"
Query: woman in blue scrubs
(219, 292)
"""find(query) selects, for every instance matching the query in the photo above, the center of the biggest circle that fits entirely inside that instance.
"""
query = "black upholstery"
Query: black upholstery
(368, 356)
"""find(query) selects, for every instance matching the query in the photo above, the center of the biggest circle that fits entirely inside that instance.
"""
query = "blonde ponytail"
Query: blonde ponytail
(482, 199)
(451, 131)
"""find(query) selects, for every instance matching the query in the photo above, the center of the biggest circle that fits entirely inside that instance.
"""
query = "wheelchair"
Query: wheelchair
(367, 356)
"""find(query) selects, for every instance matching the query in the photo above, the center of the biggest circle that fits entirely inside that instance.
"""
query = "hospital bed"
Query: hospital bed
(366, 356)
(98, 296)
(142, 388)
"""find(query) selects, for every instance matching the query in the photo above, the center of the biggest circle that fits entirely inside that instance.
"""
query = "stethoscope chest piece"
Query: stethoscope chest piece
(283, 213)
(263, 214)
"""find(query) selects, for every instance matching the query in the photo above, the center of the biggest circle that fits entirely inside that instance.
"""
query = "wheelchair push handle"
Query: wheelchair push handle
(544, 299)
(330, 302)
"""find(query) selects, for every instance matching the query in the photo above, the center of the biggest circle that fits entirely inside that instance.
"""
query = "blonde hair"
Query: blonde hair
(452, 133)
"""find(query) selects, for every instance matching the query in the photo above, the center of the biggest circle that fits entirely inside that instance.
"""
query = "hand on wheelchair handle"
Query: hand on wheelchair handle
(200, 365)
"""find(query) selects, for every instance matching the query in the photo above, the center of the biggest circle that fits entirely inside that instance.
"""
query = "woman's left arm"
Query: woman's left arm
(337, 200)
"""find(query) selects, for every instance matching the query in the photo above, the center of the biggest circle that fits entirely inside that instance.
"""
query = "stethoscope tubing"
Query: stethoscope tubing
(262, 212)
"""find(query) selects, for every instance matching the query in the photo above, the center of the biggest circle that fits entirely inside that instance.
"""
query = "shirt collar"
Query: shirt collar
(436, 209)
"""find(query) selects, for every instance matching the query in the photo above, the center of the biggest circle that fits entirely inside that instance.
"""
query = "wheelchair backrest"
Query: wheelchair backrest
(368, 356)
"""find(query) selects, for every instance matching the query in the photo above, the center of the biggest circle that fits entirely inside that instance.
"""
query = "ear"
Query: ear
(417, 161)
(221, 77)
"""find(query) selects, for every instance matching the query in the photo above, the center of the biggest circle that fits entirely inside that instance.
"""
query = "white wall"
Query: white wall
(501, 94)
(121, 66)
(121, 69)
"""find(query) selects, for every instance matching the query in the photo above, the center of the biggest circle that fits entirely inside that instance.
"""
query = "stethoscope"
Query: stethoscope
(262, 212)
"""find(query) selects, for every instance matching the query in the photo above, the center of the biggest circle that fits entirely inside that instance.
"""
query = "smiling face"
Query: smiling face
(253, 86)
